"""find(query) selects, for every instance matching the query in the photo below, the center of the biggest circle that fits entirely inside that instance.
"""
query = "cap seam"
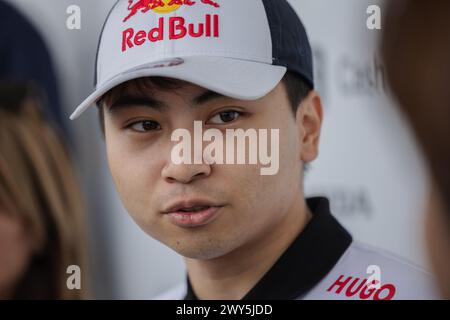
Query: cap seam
(164, 56)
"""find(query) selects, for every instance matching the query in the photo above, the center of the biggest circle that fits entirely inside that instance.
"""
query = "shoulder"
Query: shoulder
(392, 266)
(361, 263)
(175, 293)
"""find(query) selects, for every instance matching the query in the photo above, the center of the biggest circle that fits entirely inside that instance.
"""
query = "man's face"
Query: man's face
(139, 147)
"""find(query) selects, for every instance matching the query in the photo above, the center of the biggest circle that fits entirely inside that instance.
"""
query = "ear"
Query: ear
(309, 121)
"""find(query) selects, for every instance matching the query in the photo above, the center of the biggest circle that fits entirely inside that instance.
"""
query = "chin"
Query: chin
(204, 251)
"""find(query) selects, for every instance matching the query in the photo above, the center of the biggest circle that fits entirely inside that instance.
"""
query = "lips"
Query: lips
(193, 213)
(190, 205)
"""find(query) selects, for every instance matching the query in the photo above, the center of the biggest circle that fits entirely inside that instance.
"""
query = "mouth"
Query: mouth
(193, 213)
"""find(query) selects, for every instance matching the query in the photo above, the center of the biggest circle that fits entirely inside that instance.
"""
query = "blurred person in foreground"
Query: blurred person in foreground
(40, 204)
(25, 56)
(416, 49)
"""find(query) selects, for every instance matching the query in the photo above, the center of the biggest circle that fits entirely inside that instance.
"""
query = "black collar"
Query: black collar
(308, 259)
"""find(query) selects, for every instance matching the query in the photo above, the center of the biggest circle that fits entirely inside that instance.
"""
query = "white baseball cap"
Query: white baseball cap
(238, 48)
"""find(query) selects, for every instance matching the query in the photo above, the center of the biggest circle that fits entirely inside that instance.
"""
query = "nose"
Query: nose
(185, 173)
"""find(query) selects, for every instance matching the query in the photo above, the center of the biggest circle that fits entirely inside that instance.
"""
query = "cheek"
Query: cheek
(279, 191)
(269, 193)
(135, 174)
(260, 196)
(287, 182)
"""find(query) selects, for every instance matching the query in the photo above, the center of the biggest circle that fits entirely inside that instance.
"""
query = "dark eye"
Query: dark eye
(145, 126)
(225, 117)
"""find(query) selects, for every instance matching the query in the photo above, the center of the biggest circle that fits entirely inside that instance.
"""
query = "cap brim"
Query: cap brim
(239, 79)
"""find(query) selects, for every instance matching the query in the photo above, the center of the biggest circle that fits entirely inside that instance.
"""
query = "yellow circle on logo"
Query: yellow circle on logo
(166, 8)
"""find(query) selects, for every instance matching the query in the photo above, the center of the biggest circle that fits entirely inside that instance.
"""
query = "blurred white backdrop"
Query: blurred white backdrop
(368, 166)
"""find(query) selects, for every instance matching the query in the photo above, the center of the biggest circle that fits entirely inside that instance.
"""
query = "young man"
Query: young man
(245, 233)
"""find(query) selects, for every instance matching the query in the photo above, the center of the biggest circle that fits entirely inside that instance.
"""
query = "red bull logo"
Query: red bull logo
(177, 27)
(172, 28)
(161, 6)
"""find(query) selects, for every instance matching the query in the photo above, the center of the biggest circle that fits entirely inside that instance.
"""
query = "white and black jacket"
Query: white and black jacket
(325, 263)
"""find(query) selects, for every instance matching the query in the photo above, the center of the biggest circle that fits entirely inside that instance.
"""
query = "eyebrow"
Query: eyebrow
(207, 96)
(129, 101)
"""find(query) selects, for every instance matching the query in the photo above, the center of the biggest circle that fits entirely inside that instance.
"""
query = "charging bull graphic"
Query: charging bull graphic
(161, 6)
